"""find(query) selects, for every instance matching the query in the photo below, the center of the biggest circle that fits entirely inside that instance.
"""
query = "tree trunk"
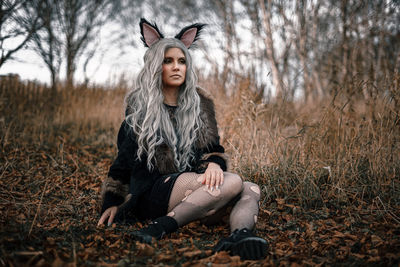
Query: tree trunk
(70, 69)
(345, 44)
(302, 49)
(276, 75)
(224, 6)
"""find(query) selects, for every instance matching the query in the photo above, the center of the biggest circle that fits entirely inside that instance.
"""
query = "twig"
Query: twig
(394, 217)
(74, 252)
(93, 170)
(76, 170)
(28, 253)
(38, 208)
(4, 171)
(76, 166)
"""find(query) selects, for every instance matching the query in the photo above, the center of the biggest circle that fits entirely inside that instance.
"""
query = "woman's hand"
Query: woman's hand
(213, 176)
(110, 214)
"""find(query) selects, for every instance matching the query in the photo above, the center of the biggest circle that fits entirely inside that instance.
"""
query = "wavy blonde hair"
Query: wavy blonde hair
(148, 117)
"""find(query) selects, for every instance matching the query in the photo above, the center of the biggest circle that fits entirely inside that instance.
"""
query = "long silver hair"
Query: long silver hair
(148, 117)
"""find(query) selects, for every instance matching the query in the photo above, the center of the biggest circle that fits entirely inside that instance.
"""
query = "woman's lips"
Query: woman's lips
(175, 76)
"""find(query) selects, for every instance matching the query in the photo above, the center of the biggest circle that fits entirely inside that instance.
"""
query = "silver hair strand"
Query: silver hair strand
(148, 117)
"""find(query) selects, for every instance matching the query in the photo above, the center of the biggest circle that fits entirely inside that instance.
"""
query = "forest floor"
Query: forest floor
(49, 204)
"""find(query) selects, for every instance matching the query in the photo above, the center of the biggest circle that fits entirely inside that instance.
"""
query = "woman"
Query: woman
(170, 166)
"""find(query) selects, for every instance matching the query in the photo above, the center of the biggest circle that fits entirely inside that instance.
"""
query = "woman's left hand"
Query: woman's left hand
(213, 176)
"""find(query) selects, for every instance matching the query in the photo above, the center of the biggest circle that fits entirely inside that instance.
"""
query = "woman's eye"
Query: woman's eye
(182, 61)
(167, 60)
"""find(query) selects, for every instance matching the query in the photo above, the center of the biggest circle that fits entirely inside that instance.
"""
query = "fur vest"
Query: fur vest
(128, 177)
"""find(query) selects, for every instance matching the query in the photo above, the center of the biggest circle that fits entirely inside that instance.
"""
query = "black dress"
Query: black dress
(154, 202)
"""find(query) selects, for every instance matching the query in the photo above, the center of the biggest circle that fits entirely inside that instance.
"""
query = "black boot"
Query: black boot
(244, 244)
(156, 229)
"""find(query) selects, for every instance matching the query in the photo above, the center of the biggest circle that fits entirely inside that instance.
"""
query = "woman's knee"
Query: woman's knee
(234, 182)
(252, 188)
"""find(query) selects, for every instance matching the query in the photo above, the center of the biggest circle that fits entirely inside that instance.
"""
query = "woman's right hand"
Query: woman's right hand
(110, 214)
(213, 176)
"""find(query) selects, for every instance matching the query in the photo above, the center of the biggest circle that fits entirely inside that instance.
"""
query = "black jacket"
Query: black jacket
(128, 177)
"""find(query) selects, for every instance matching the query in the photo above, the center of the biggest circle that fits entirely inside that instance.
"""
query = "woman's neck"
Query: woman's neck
(171, 95)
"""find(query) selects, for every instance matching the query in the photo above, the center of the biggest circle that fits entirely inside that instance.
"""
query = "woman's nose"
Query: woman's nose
(175, 66)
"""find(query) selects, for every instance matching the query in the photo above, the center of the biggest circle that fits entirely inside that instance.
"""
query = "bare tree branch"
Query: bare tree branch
(16, 28)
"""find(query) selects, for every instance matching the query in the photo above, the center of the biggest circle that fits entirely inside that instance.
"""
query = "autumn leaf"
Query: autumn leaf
(144, 249)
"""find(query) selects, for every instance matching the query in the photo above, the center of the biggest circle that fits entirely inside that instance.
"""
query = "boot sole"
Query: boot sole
(251, 248)
(225, 246)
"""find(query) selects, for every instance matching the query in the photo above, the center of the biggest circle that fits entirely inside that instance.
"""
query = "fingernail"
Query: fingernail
(109, 224)
(217, 187)
(212, 188)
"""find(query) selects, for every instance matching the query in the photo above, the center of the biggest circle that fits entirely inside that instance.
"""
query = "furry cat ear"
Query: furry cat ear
(190, 34)
(150, 32)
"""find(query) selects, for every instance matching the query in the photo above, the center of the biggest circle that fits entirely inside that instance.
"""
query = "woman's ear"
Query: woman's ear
(150, 32)
(190, 34)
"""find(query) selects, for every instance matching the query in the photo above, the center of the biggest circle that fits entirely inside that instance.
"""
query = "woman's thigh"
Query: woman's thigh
(189, 182)
(185, 184)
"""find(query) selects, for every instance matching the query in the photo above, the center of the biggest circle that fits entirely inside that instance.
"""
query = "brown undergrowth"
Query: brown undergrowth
(329, 172)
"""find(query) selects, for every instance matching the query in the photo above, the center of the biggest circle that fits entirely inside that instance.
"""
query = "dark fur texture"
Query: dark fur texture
(164, 155)
(114, 186)
(207, 156)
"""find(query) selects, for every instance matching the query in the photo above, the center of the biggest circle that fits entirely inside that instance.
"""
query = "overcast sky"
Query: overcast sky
(107, 65)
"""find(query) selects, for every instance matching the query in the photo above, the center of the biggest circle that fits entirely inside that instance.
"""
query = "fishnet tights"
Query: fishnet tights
(191, 200)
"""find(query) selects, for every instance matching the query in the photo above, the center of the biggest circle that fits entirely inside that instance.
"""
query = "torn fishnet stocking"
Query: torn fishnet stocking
(200, 202)
(184, 185)
(222, 215)
(244, 213)
(241, 211)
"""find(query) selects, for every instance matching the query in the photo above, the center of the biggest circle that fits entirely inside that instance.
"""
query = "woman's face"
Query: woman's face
(173, 68)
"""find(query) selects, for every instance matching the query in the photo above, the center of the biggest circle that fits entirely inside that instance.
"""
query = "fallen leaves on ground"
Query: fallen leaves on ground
(49, 204)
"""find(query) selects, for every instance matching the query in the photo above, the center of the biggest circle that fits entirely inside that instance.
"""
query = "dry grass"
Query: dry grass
(82, 113)
(336, 150)
(343, 155)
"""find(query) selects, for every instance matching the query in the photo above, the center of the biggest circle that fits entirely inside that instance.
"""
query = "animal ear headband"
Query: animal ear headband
(151, 34)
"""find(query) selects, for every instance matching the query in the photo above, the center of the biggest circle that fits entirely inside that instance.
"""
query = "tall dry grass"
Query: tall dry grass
(336, 150)
(29, 112)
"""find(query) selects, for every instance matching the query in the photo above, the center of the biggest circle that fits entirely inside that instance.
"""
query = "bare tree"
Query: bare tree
(317, 47)
(16, 27)
(81, 22)
(310, 47)
(360, 46)
(269, 46)
(70, 26)
(46, 42)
